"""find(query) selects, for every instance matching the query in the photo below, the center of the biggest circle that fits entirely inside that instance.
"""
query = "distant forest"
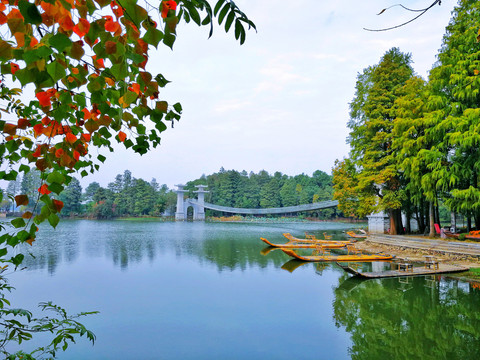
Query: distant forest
(128, 196)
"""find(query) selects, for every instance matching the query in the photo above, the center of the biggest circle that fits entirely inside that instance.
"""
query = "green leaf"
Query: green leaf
(177, 107)
(18, 223)
(120, 71)
(3, 252)
(56, 188)
(168, 40)
(101, 158)
(55, 177)
(24, 168)
(60, 41)
(133, 12)
(192, 11)
(30, 12)
(53, 219)
(218, 5)
(153, 36)
(56, 71)
(17, 260)
(229, 21)
(222, 14)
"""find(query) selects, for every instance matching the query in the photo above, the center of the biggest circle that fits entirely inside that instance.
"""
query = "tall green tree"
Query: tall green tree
(372, 116)
(71, 198)
(454, 113)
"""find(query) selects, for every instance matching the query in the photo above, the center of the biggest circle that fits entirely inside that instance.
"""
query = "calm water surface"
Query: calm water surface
(212, 291)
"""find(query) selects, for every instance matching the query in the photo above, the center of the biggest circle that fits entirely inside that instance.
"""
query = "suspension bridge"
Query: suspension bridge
(199, 205)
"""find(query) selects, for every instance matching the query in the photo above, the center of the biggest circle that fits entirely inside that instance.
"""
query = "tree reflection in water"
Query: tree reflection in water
(418, 318)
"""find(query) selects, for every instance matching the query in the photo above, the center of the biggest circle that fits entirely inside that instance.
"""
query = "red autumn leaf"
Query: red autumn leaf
(86, 114)
(122, 136)
(38, 130)
(51, 92)
(44, 189)
(110, 25)
(167, 6)
(59, 153)
(98, 63)
(71, 138)
(116, 9)
(58, 205)
(15, 14)
(10, 129)
(50, 9)
(14, 67)
(30, 241)
(43, 98)
(27, 215)
(76, 155)
(41, 164)
(86, 137)
(23, 123)
(3, 18)
(82, 28)
(135, 88)
(33, 41)
(20, 37)
(46, 120)
(38, 152)
(66, 22)
(21, 200)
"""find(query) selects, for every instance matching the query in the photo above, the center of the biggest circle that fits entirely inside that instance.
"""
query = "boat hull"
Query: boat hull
(297, 245)
(292, 238)
(340, 258)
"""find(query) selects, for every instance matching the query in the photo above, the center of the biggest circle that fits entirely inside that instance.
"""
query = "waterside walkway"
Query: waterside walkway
(443, 246)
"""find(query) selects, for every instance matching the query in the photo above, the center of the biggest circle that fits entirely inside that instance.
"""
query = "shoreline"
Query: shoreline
(417, 255)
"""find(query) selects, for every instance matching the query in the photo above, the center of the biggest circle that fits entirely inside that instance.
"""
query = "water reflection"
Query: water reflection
(125, 243)
(415, 317)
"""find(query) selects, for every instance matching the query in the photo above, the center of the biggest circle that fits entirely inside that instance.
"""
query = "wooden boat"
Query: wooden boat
(292, 238)
(416, 271)
(355, 235)
(352, 257)
(298, 245)
(470, 236)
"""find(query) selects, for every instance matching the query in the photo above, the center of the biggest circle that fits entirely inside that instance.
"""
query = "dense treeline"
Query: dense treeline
(129, 196)
(262, 190)
(415, 143)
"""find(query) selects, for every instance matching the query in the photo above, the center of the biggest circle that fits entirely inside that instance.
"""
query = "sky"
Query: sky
(280, 102)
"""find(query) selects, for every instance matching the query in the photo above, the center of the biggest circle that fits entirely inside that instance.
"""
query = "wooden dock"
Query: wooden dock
(415, 271)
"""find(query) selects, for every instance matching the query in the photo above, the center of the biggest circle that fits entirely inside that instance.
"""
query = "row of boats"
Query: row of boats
(321, 249)
(472, 235)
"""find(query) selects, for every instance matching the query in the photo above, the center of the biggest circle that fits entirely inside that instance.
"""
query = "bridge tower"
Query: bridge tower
(183, 204)
(180, 214)
(199, 214)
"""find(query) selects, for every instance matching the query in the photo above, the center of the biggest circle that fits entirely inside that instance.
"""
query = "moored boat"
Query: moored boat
(351, 257)
(292, 238)
(472, 235)
(355, 235)
(299, 245)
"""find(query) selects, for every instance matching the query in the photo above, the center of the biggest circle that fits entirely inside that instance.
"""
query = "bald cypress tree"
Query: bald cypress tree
(372, 116)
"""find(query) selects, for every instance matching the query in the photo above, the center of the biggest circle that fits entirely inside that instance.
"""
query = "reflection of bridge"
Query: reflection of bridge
(199, 205)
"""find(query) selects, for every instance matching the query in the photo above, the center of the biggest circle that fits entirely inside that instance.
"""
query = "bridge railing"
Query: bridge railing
(266, 211)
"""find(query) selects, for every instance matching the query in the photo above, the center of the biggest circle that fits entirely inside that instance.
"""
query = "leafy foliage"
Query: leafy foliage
(414, 144)
(86, 63)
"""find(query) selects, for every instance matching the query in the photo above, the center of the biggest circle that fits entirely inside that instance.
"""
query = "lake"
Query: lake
(172, 290)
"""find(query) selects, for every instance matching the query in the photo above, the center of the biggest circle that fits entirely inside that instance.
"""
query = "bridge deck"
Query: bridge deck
(281, 210)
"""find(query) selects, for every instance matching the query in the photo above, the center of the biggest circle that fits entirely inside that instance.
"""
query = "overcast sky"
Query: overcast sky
(280, 101)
